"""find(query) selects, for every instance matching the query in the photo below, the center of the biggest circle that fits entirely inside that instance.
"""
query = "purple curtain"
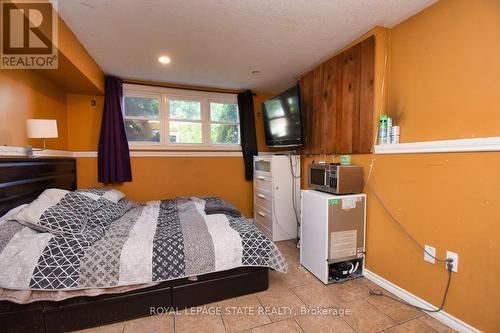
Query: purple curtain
(247, 131)
(113, 157)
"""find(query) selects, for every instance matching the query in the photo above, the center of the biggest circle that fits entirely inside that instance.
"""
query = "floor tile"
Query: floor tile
(297, 290)
(412, 326)
(435, 324)
(288, 326)
(112, 328)
(365, 317)
(369, 284)
(289, 250)
(294, 278)
(318, 296)
(397, 311)
(280, 304)
(243, 313)
(353, 289)
(323, 324)
(199, 324)
(151, 324)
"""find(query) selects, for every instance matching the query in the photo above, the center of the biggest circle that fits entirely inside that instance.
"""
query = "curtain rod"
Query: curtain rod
(182, 86)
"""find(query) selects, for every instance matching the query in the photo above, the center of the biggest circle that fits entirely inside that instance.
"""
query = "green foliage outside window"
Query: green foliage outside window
(142, 121)
(185, 110)
(224, 133)
(142, 107)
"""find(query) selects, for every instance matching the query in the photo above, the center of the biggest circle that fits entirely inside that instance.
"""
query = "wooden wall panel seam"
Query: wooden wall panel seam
(337, 102)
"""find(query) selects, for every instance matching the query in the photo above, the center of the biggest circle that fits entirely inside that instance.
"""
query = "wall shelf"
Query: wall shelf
(442, 146)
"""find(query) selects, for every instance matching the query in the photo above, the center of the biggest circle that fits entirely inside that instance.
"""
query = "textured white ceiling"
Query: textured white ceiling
(219, 42)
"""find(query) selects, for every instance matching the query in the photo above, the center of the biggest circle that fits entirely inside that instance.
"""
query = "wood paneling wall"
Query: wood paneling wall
(338, 101)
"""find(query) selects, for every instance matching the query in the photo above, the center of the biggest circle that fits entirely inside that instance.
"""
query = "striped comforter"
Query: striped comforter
(158, 241)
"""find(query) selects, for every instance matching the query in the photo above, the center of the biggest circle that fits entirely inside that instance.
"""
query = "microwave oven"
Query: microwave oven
(335, 178)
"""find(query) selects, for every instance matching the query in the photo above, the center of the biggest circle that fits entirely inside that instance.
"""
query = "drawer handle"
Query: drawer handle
(260, 178)
(261, 196)
(261, 214)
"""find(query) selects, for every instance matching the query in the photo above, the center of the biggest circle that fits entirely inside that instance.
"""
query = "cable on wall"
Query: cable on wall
(448, 261)
(294, 175)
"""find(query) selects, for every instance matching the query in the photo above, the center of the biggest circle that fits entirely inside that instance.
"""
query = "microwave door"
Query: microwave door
(317, 176)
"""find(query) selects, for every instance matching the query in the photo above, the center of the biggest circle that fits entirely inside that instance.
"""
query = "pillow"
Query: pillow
(11, 213)
(58, 211)
(109, 211)
(106, 193)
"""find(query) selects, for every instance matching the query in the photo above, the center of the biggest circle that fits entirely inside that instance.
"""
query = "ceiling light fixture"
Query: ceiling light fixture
(164, 59)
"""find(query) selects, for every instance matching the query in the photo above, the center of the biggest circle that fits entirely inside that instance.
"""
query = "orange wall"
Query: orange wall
(84, 122)
(23, 95)
(161, 177)
(157, 178)
(77, 71)
(72, 49)
(445, 71)
(42, 93)
(443, 83)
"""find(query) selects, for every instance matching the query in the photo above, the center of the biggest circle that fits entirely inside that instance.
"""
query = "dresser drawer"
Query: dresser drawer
(263, 184)
(264, 217)
(264, 200)
(264, 230)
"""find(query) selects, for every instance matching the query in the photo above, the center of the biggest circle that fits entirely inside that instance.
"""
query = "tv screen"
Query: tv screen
(283, 120)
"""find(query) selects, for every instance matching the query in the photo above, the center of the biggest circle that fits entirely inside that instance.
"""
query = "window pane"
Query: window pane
(142, 130)
(184, 132)
(224, 112)
(142, 107)
(185, 110)
(225, 134)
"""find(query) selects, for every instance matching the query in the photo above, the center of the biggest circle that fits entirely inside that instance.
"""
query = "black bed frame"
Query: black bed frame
(21, 181)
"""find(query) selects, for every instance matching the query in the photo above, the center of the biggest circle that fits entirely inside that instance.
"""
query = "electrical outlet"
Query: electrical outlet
(453, 256)
(432, 251)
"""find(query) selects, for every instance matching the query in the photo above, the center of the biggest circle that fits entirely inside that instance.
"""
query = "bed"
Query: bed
(22, 180)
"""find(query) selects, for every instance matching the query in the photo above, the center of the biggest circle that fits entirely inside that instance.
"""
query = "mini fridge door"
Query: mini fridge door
(346, 232)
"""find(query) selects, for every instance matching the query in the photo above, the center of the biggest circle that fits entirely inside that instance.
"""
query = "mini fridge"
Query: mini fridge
(332, 235)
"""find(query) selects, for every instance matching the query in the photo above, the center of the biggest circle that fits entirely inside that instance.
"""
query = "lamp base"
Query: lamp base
(29, 151)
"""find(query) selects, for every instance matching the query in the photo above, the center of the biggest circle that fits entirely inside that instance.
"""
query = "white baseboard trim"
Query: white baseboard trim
(442, 146)
(405, 295)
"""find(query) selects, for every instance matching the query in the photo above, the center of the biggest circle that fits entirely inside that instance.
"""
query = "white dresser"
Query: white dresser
(276, 186)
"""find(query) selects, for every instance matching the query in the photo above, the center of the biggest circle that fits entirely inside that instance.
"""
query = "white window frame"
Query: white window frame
(165, 95)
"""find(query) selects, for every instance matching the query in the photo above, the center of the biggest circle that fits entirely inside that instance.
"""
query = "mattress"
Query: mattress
(147, 244)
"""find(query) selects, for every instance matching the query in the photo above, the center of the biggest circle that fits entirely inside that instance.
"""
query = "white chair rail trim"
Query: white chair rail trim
(21, 152)
(442, 146)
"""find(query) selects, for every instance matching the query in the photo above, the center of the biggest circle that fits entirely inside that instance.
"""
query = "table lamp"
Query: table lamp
(40, 129)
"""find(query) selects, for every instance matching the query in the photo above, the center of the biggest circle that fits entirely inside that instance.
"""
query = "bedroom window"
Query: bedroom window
(165, 118)
(224, 123)
(185, 125)
(142, 118)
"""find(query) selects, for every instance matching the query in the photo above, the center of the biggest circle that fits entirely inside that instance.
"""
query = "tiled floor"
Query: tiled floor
(292, 304)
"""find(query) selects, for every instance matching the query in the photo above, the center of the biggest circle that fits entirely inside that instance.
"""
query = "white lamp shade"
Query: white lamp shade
(41, 128)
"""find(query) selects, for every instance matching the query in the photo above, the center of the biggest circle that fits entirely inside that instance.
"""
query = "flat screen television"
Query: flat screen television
(283, 119)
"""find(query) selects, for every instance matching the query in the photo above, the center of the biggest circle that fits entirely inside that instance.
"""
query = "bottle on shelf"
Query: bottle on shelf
(382, 129)
(395, 135)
